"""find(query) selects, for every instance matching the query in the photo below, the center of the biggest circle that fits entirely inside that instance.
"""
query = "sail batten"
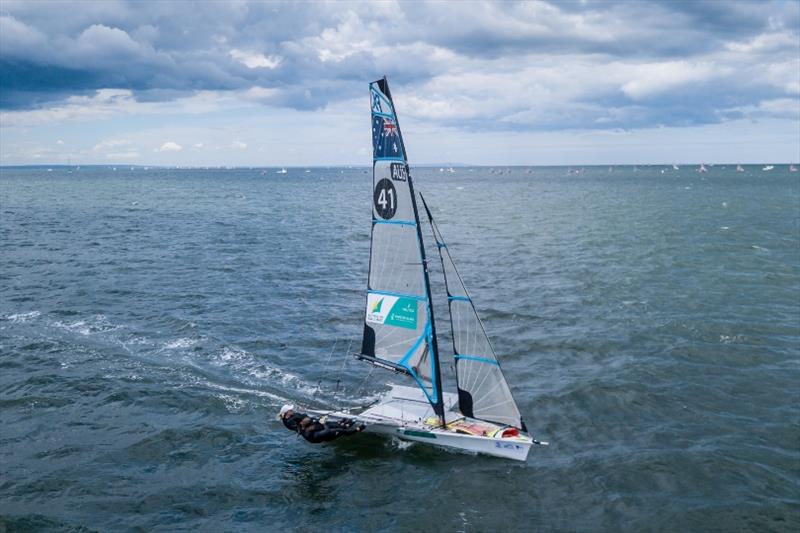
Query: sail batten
(399, 326)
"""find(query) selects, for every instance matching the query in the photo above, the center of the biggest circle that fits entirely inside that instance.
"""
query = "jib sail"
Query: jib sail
(399, 327)
(482, 389)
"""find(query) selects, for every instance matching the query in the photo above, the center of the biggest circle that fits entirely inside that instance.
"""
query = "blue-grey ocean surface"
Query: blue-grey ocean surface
(153, 321)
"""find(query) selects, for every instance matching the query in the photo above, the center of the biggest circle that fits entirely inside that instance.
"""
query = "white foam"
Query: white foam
(244, 362)
(730, 339)
(280, 399)
(400, 444)
(97, 324)
(180, 343)
(21, 317)
(232, 403)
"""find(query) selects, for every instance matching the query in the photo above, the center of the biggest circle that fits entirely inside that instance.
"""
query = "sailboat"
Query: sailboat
(739, 168)
(399, 333)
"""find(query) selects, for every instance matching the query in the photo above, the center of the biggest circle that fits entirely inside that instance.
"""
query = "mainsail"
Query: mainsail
(482, 389)
(399, 327)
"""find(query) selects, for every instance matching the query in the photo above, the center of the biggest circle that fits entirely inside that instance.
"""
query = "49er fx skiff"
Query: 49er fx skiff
(400, 330)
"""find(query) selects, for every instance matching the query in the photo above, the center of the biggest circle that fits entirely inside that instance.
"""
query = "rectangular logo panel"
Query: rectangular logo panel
(392, 311)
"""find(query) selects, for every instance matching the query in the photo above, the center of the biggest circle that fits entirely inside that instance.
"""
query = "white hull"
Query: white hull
(516, 448)
(405, 413)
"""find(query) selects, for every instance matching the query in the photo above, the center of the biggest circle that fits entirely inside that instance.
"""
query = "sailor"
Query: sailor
(314, 429)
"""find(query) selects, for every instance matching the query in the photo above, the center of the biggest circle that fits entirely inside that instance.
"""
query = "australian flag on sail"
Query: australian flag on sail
(386, 141)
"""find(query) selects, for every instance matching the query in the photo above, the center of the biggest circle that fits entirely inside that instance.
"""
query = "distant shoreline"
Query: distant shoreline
(367, 166)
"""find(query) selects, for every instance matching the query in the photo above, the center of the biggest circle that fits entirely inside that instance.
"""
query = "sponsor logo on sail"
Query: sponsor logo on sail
(392, 311)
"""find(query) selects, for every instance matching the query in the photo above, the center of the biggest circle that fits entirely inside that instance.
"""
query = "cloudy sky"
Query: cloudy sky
(285, 83)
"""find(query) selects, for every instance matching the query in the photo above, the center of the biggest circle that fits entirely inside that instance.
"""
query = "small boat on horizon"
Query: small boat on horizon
(768, 167)
(739, 168)
(792, 168)
(281, 171)
(702, 168)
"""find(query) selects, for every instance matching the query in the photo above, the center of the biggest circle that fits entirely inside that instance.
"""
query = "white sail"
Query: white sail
(483, 392)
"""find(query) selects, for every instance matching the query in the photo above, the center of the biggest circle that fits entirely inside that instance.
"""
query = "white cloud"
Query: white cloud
(104, 46)
(765, 42)
(17, 38)
(239, 145)
(255, 59)
(59, 141)
(655, 78)
(170, 146)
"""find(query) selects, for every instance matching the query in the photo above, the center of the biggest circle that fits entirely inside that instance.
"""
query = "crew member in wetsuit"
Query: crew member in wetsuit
(313, 429)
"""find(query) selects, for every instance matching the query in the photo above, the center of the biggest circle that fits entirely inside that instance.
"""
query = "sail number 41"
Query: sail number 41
(385, 199)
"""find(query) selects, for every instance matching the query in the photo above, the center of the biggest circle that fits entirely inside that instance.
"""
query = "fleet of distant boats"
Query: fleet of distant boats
(492, 170)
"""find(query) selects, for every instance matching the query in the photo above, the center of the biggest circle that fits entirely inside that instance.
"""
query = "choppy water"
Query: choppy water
(151, 323)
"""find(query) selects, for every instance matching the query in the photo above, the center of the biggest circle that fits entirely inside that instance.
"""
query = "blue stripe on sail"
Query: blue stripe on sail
(380, 114)
(434, 399)
(426, 335)
(394, 158)
(459, 298)
(410, 352)
(476, 358)
(399, 295)
(401, 222)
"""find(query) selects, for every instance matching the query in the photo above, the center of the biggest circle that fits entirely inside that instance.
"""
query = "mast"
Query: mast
(388, 330)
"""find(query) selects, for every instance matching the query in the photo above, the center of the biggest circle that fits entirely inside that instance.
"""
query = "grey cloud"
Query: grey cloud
(325, 52)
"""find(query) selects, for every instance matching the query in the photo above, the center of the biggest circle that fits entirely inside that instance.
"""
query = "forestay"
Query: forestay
(399, 327)
(482, 389)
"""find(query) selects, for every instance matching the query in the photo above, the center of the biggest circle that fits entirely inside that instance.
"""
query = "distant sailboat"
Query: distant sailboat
(399, 327)
(702, 168)
(675, 167)
(768, 167)
(792, 168)
(739, 168)
(281, 171)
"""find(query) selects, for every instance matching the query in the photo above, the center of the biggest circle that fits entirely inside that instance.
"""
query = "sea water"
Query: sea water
(153, 321)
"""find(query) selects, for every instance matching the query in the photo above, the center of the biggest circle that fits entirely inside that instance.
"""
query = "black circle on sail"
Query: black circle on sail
(385, 199)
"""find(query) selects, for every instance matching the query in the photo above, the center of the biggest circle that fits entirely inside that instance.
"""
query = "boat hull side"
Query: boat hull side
(516, 449)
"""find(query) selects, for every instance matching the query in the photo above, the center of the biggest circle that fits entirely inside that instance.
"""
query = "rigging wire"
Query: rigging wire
(325, 368)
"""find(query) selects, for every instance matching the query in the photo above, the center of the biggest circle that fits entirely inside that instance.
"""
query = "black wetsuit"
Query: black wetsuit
(316, 431)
